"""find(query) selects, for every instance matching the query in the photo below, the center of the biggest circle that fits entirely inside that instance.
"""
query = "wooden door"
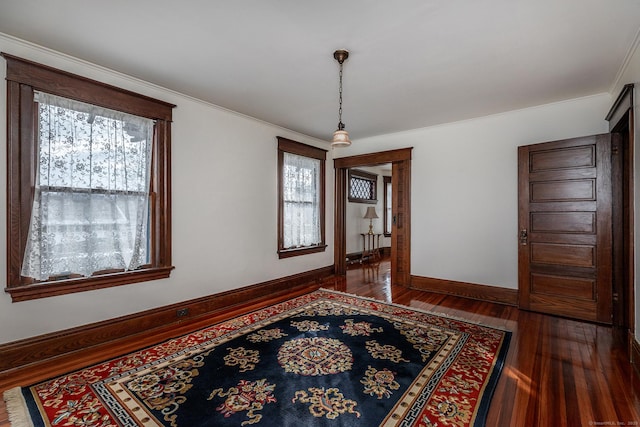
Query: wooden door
(400, 223)
(564, 219)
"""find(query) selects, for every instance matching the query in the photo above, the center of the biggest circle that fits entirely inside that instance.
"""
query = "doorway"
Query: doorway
(401, 210)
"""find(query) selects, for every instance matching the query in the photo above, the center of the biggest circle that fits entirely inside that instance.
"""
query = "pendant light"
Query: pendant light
(340, 136)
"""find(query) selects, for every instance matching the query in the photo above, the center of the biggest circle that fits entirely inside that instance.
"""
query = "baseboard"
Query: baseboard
(32, 350)
(634, 349)
(466, 290)
(355, 257)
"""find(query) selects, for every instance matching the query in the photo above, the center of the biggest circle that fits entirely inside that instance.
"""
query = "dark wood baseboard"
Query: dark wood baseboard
(25, 352)
(634, 350)
(355, 257)
(467, 290)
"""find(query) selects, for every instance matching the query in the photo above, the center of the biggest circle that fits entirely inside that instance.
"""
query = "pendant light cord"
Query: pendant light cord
(340, 124)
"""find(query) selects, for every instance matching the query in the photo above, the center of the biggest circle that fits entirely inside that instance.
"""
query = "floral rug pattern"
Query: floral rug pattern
(325, 359)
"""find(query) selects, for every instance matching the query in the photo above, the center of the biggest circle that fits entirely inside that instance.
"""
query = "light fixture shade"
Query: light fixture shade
(371, 213)
(340, 139)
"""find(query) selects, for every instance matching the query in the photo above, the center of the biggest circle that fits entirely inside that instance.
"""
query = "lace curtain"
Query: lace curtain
(301, 194)
(90, 208)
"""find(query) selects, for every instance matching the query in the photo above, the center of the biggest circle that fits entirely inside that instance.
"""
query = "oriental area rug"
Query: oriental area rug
(321, 359)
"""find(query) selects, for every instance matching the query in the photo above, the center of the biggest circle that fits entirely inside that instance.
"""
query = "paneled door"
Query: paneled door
(564, 234)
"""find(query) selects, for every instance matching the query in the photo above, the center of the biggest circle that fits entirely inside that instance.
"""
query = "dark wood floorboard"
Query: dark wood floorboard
(558, 372)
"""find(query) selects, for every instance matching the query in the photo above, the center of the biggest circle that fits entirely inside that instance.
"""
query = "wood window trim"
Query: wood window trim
(386, 180)
(294, 147)
(367, 176)
(23, 78)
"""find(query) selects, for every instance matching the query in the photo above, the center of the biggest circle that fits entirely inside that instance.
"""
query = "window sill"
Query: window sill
(68, 286)
(288, 253)
(369, 201)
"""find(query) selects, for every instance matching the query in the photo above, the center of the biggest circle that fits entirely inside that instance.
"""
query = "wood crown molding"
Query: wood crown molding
(41, 349)
(474, 291)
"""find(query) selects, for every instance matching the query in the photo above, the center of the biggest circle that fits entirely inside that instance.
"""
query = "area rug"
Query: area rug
(321, 359)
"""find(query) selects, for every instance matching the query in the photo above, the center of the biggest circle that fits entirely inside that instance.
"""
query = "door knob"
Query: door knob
(524, 236)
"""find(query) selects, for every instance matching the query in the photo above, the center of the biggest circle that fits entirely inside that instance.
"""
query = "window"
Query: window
(301, 198)
(88, 183)
(387, 205)
(363, 187)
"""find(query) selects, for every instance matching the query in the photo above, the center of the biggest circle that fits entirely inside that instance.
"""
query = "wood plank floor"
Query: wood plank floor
(558, 372)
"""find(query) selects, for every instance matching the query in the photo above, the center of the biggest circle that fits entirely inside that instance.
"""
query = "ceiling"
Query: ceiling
(412, 64)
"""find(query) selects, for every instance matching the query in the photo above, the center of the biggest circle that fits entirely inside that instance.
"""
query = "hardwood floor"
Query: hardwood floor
(558, 372)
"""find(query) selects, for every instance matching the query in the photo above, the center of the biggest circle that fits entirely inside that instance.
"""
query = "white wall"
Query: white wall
(464, 190)
(224, 210)
(630, 73)
(464, 199)
(355, 224)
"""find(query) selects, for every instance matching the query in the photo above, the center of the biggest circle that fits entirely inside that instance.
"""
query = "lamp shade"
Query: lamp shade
(340, 139)
(371, 213)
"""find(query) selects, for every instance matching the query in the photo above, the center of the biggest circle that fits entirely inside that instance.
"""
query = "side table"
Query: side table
(370, 247)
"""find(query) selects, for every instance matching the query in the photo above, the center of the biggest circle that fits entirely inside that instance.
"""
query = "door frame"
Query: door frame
(621, 122)
(401, 157)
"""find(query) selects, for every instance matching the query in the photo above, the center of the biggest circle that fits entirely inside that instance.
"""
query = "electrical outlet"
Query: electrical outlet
(182, 312)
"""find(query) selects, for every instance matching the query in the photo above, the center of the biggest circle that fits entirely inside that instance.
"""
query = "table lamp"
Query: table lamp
(370, 214)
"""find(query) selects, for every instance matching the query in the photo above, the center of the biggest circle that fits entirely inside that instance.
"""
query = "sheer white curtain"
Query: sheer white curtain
(301, 201)
(90, 209)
